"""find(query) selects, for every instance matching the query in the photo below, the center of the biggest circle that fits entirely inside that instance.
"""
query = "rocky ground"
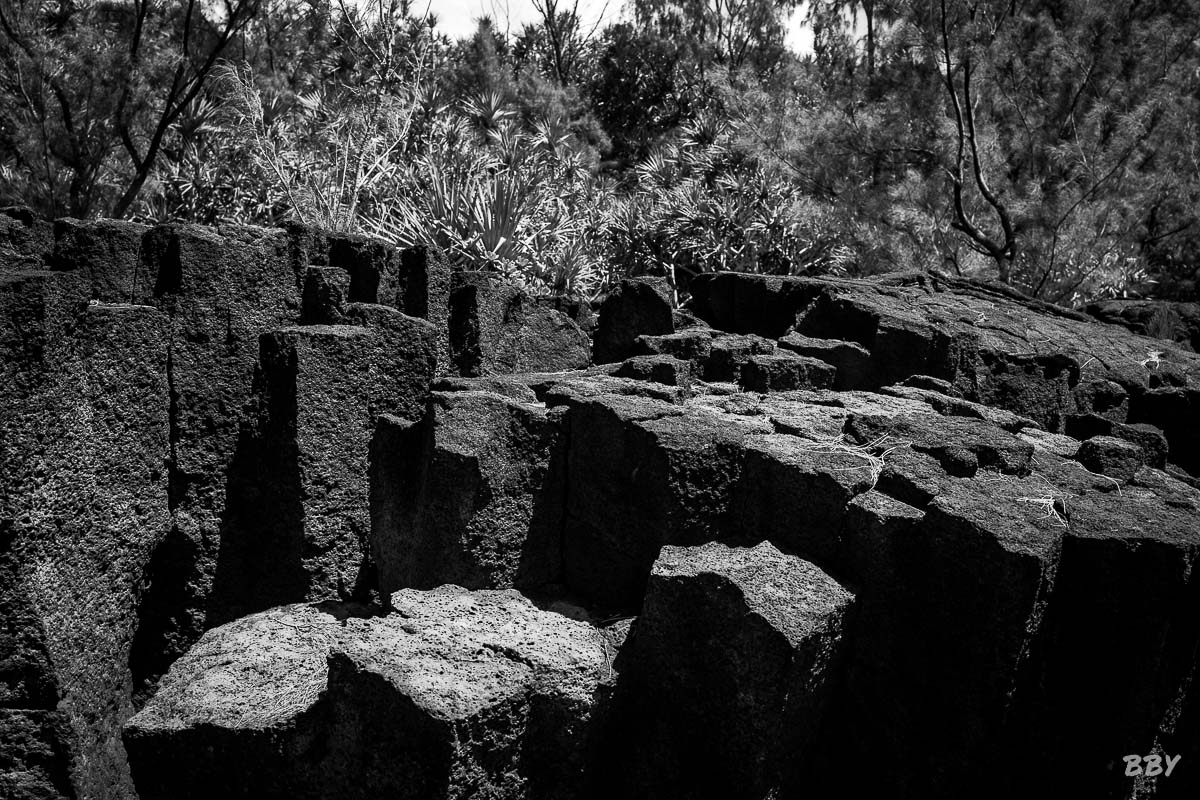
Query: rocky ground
(288, 514)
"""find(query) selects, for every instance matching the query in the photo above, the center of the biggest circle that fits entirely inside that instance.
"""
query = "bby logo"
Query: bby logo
(1150, 765)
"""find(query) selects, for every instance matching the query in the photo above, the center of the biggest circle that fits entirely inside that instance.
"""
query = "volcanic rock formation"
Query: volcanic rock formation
(295, 514)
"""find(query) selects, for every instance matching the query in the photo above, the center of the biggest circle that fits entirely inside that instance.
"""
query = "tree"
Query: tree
(644, 85)
(560, 38)
(1050, 154)
(1066, 115)
(92, 91)
(967, 170)
(731, 33)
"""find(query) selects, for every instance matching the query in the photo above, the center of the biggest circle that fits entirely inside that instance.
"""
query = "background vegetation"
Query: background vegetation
(1049, 144)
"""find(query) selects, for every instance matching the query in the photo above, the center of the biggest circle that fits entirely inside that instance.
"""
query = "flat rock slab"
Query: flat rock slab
(452, 694)
(993, 345)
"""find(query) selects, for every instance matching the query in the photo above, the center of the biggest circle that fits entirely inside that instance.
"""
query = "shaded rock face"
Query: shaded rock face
(113, 569)
(496, 328)
(323, 388)
(838, 538)
(83, 506)
(26, 240)
(1175, 322)
(452, 694)
(466, 495)
(636, 307)
(727, 674)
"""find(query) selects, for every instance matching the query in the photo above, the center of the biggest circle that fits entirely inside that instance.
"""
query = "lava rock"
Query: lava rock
(372, 267)
(1162, 319)
(33, 755)
(785, 371)
(689, 345)
(642, 473)
(1149, 438)
(496, 328)
(636, 307)
(425, 293)
(326, 290)
(83, 506)
(324, 387)
(727, 673)
(659, 369)
(221, 292)
(851, 359)
(468, 496)
(106, 255)
(26, 240)
(759, 304)
(453, 693)
(728, 353)
(793, 491)
(1103, 398)
(577, 308)
(1108, 455)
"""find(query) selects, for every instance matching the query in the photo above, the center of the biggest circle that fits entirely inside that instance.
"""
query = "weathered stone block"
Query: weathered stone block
(759, 304)
(949, 404)
(106, 254)
(1174, 411)
(221, 292)
(1102, 397)
(973, 584)
(1179, 322)
(642, 473)
(376, 272)
(1121, 613)
(850, 359)
(785, 371)
(471, 495)
(83, 507)
(425, 293)
(727, 673)
(1107, 455)
(690, 345)
(793, 491)
(1057, 443)
(577, 307)
(25, 239)
(961, 445)
(326, 293)
(659, 369)
(495, 328)
(636, 307)
(324, 387)
(1149, 438)
(373, 267)
(728, 352)
(454, 694)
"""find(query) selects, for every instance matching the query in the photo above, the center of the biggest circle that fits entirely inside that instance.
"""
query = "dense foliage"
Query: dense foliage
(1049, 144)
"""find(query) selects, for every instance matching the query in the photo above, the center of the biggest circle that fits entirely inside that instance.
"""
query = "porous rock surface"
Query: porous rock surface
(957, 527)
(731, 667)
(451, 694)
